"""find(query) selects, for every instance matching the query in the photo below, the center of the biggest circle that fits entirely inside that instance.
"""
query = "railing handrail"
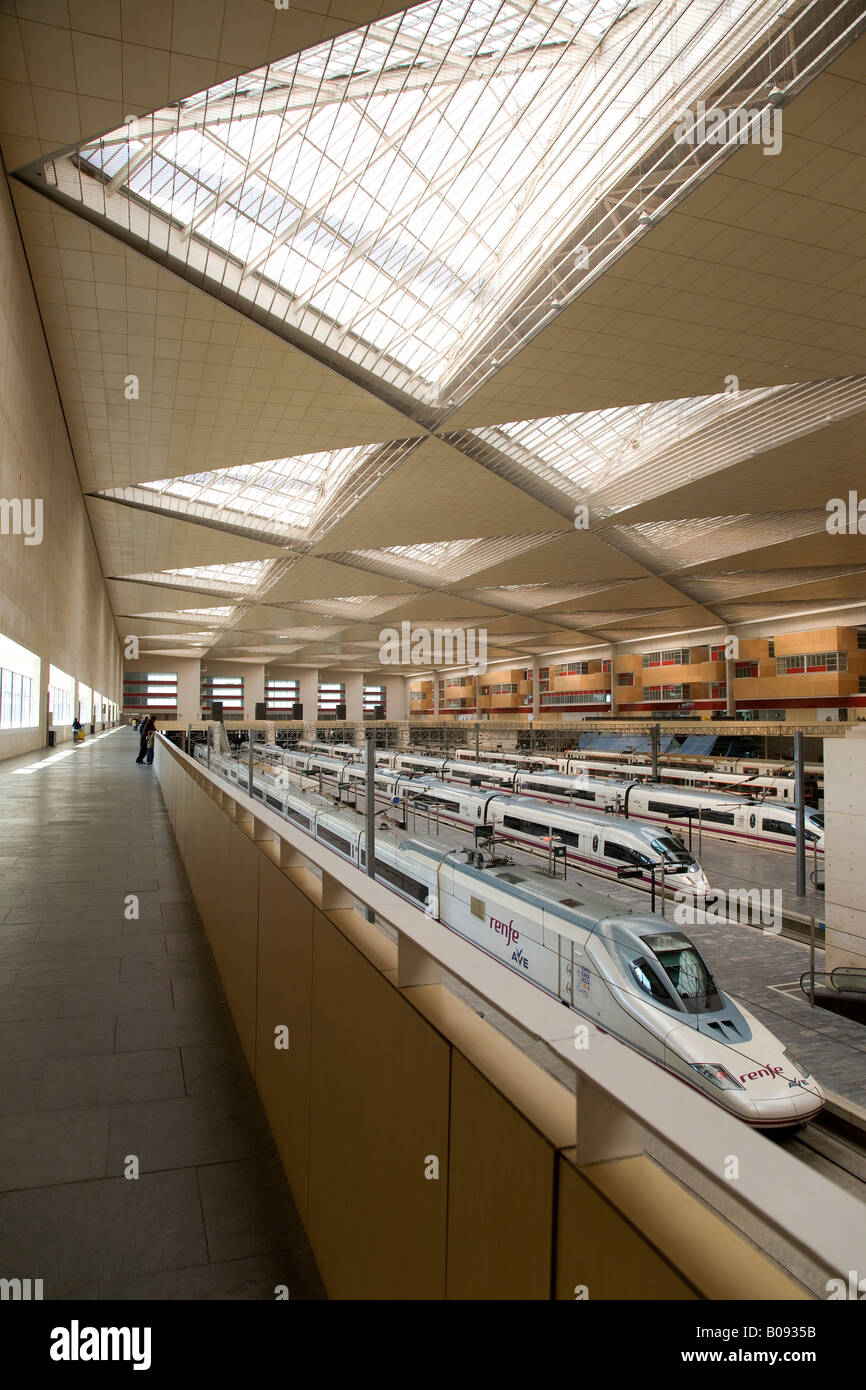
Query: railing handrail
(803, 1206)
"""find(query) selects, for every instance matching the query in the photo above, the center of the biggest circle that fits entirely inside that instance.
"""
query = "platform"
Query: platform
(115, 1041)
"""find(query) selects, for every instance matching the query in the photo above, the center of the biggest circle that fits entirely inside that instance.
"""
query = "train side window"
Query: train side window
(336, 841)
(777, 827)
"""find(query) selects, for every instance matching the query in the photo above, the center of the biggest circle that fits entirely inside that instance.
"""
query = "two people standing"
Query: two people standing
(146, 734)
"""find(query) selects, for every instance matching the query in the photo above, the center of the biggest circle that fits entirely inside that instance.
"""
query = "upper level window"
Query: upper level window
(677, 656)
(19, 686)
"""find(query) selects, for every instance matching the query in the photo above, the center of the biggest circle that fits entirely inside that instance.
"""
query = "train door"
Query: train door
(566, 970)
(749, 817)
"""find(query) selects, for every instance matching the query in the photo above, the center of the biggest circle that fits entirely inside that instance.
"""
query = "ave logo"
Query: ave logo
(519, 958)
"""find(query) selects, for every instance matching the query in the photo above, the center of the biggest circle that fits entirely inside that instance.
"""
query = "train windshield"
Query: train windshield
(687, 971)
(672, 852)
(816, 818)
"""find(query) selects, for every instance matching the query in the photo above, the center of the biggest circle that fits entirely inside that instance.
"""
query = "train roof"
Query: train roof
(586, 815)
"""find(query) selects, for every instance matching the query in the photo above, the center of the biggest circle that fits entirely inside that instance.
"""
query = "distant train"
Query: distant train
(766, 825)
(579, 836)
(630, 973)
(772, 781)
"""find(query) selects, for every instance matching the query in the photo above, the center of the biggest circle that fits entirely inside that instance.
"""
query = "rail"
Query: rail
(620, 1096)
(844, 980)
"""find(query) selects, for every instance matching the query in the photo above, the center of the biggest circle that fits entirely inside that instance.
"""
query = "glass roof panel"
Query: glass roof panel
(281, 497)
(241, 577)
(617, 458)
(409, 193)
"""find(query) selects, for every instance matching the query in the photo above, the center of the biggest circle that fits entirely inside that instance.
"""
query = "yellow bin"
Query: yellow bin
(79, 735)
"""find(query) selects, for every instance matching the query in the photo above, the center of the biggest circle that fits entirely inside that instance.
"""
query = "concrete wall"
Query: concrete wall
(377, 1080)
(845, 830)
(53, 598)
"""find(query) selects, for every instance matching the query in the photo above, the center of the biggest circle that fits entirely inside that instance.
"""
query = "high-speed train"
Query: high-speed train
(608, 846)
(778, 785)
(630, 973)
(766, 825)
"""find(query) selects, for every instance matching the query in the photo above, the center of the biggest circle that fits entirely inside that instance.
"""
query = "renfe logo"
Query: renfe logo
(505, 929)
(762, 1071)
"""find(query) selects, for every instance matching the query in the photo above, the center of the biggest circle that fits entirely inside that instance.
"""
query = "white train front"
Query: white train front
(631, 973)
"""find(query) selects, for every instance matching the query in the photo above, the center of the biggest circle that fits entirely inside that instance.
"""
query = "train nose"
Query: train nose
(695, 881)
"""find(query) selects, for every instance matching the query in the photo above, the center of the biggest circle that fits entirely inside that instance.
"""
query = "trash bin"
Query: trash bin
(79, 735)
(52, 738)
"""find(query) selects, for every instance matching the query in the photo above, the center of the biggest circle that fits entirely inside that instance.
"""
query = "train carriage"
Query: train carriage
(630, 973)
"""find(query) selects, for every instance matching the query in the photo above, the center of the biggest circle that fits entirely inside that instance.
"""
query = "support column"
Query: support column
(254, 689)
(396, 697)
(435, 694)
(845, 827)
(614, 697)
(308, 694)
(536, 693)
(730, 676)
(354, 686)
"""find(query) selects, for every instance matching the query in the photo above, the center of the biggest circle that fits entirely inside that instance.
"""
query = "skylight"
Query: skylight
(420, 195)
(238, 577)
(618, 458)
(281, 498)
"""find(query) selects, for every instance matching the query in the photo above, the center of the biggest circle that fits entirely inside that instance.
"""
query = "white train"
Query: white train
(628, 972)
(582, 837)
(770, 778)
(764, 824)
(774, 782)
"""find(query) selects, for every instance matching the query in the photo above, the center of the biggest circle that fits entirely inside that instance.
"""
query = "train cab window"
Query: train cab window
(687, 971)
(613, 850)
(649, 980)
(817, 819)
(672, 851)
(777, 827)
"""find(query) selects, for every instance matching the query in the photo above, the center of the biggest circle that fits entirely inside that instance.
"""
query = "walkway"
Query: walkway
(117, 1051)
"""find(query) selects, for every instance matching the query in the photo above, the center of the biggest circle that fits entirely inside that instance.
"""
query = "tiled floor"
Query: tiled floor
(115, 1042)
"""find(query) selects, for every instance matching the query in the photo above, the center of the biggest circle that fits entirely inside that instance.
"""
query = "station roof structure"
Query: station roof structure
(542, 317)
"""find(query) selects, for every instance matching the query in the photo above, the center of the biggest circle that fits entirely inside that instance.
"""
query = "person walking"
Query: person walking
(151, 740)
(143, 731)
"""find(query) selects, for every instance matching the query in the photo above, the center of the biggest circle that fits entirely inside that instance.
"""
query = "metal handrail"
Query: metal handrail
(851, 979)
